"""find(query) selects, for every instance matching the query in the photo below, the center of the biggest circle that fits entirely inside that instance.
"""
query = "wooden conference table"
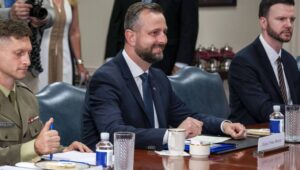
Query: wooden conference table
(238, 160)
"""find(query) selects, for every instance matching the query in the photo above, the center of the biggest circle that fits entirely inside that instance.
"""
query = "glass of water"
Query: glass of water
(124, 150)
(292, 123)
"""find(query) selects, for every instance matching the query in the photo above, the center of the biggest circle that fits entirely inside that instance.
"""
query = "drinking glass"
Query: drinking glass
(124, 150)
(292, 123)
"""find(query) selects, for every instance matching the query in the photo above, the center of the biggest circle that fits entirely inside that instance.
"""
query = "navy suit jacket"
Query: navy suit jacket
(182, 21)
(253, 85)
(113, 103)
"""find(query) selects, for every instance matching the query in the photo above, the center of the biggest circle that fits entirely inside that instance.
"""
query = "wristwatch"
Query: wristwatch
(79, 61)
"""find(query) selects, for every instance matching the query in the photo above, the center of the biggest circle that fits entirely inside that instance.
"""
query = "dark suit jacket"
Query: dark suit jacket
(113, 103)
(253, 85)
(182, 21)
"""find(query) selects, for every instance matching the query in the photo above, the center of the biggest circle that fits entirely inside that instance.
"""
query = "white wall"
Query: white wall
(94, 19)
(237, 26)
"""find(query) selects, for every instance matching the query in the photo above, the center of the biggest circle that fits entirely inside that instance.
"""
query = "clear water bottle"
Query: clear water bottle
(276, 120)
(104, 151)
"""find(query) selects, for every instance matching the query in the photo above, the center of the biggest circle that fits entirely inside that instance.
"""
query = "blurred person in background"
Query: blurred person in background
(58, 39)
(60, 43)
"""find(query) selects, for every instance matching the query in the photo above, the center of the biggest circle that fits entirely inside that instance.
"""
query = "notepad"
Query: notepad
(82, 157)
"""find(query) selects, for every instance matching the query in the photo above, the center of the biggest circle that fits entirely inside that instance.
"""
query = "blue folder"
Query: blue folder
(216, 148)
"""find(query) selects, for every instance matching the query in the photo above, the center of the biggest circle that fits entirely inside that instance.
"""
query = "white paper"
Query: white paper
(207, 139)
(80, 157)
(270, 142)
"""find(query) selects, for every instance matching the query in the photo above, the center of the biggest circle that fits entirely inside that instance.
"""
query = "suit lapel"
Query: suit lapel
(266, 65)
(156, 93)
(131, 82)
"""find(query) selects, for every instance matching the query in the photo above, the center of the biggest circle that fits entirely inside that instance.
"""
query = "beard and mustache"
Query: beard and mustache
(147, 55)
(277, 36)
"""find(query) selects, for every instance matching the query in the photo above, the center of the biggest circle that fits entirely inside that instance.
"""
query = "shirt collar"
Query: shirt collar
(5, 91)
(135, 70)
(271, 53)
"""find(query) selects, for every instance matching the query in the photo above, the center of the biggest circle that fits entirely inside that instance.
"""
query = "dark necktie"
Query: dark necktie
(147, 97)
(281, 81)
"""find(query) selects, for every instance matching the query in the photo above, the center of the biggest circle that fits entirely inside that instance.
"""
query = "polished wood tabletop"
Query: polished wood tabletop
(237, 160)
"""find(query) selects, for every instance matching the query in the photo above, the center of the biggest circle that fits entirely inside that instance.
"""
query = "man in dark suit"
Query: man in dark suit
(182, 21)
(116, 94)
(258, 78)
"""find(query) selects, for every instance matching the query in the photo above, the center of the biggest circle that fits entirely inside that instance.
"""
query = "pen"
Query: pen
(51, 128)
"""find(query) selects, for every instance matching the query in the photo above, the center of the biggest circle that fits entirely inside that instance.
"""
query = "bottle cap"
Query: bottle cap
(104, 136)
(276, 108)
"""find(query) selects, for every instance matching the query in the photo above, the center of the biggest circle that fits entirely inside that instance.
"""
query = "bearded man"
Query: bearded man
(263, 74)
(126, 94)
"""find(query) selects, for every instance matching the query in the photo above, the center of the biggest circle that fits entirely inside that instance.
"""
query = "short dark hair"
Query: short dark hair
(265, 5)
(133, 12)
(15, 28)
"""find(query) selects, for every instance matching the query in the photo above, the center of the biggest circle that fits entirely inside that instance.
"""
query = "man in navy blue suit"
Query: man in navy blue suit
(263, 74)
(115, 96)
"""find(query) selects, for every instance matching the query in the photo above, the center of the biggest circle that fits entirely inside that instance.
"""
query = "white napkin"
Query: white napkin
(167, 153)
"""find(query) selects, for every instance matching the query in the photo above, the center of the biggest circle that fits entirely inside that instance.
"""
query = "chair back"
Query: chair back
(298, 62)
(64, 103)
(201, 91)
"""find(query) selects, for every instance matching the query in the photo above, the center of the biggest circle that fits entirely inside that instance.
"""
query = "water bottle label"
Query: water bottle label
(104, 158)
(276, 126)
